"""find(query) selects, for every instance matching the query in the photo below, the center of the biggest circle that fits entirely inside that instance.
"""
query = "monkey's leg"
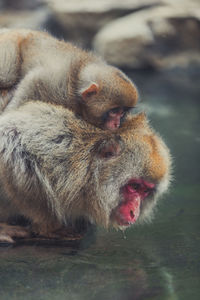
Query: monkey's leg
(8, 232)
(9, 62)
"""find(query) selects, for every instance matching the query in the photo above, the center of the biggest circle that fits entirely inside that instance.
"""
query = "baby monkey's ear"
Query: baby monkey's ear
(91, 90)
(111, 148)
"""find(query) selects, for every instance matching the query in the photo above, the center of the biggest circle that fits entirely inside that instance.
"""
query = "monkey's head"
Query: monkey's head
(106, 96)
(132, 171)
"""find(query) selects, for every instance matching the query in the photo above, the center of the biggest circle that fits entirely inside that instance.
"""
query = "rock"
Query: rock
(20, 4)
(24, 19)
(81, 19)
(160, 37)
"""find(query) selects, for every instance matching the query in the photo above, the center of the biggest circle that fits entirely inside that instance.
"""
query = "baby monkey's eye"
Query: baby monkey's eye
(117, 110)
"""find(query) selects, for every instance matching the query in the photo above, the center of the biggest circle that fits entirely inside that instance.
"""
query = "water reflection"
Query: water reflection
(101, 272)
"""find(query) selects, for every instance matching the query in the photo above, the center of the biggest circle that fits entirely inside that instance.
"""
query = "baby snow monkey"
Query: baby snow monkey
(34, 65)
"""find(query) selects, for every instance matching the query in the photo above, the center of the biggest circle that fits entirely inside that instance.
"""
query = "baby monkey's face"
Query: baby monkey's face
(113, 118)
(105, 103)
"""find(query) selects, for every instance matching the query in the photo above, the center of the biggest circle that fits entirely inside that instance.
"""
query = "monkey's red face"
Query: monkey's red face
(134, 193)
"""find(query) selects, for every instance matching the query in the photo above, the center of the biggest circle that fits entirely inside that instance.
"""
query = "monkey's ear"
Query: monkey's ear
(110, 148)
(91, 90)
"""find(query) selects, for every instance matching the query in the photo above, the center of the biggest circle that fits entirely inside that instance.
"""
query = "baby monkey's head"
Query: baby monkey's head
(106, 95)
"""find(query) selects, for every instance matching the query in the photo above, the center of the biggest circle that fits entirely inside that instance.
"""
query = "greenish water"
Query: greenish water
(156, 261)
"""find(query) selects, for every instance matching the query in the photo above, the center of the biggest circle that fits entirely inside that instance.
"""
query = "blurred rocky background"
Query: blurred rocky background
(135, 34)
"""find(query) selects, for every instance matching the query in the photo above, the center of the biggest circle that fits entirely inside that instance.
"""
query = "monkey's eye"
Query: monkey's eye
(119, 111)
(108, 154)
(135, 186)
(116, 110)
(149, 191)
(140, 186)
(110, 149)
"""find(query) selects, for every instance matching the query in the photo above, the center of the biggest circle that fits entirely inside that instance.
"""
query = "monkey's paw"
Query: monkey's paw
(9, 232)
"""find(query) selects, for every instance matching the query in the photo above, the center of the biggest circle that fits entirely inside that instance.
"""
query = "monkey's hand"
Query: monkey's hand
(8, 232)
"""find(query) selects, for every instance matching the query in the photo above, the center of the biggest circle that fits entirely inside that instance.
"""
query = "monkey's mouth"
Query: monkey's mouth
(134, 192)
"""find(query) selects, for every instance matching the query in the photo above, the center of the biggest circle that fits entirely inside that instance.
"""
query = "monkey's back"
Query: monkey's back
(24, 53)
